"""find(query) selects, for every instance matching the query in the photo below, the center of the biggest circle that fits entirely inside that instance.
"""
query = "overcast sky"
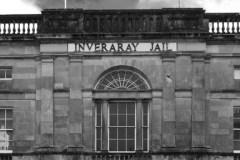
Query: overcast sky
(35, 6)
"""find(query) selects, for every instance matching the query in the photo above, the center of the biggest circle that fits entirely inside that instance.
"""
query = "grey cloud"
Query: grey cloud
(117, 4)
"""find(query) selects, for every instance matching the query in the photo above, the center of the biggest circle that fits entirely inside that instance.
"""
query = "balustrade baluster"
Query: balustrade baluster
(9, 27)
(233, 27)
(33, 27)
(0, 27)
(218, 29)
(223, 27)
(213, 28)
(19, 30)
(4, 27)
(14, 28)
(28, 28)
(237, 25)
(23, 29)
(228, 28)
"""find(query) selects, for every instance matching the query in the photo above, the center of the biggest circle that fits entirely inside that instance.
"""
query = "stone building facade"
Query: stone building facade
(120, 84)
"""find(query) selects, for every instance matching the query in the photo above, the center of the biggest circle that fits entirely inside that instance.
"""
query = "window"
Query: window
(122, 126)
(122, 80)
(6, 129)
(6, 74)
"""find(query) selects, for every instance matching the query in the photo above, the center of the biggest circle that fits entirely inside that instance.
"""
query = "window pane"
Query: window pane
(138, 82)
(145, 148)
(131, 108)
(236, 123)
(99, 108)
(134, 78)
(8, 73)
(237, 134)
(130, 133)
(145, 120)
(142, 87)
(128, 75)
(121, 108)
(9, 113)
(145, 108)
(130, 145)
(122, 74)
(115, 75)
(236, 145)
(130, 120)
(2, 145)
(2, 124)
(122, 120)
(104, 82)
(113, 133)
(113, 120)
(99, 133)
(100, 86)
(113, 145)
(122, 145)
(9, 124)
(113, 108)
(9, 134)
(145, 133)
(10, 145)
(99, 120)
(2, 73)
(2, 113)
(121, 133)
(99, 145)
(236, 112)
(109, 77)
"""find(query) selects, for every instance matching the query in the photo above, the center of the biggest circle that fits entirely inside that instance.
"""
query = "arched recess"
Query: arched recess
(122, 78)
(122, 97)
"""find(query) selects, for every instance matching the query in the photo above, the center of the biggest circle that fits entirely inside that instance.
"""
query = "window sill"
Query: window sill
(6, 151)
(236, 151)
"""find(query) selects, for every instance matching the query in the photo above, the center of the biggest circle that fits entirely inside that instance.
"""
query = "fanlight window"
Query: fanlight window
(122, 80)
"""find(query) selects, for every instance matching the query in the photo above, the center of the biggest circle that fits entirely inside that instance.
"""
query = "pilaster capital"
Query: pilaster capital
(47, 58)
(168, 57)
(76, 57)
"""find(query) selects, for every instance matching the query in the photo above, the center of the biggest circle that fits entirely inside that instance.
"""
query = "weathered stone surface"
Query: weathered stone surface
(191, 46)
(221, 74)
(198, 74)
(53, 47)
(183, 72)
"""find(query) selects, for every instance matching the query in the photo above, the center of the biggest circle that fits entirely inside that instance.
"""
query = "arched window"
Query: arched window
(122, 123)
(122, 80)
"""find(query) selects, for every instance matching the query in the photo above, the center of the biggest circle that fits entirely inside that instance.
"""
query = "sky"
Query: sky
(36, 6)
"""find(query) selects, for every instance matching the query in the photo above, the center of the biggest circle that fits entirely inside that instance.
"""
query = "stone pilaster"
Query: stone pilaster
(207, 101)
(169, 110)
(38, 104)
(47, 139)
(75, 106)
(156, 120)
(198, 103)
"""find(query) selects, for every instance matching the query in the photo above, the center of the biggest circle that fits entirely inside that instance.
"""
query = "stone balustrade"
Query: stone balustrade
(121, 22)
(223, 23)
(19, 24)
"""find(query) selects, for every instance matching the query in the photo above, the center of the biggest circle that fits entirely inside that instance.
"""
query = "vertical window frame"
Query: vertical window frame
(5, 123)
(96, 126)
(147, 126)
(5, 69)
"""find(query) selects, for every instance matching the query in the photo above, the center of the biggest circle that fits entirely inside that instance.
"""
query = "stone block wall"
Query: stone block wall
(191, 101)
